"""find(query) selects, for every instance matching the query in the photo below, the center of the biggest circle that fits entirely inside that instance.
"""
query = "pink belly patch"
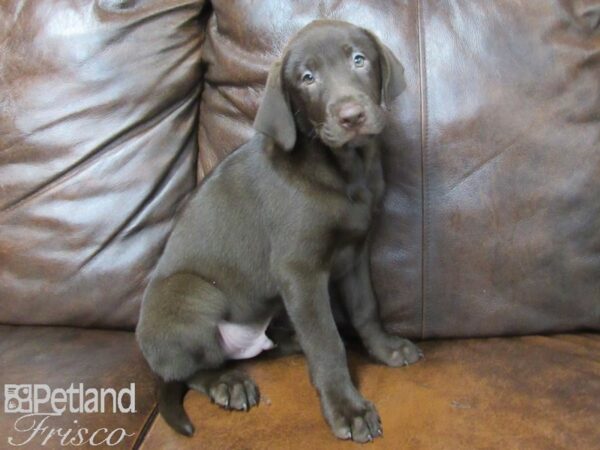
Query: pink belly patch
(244, 341)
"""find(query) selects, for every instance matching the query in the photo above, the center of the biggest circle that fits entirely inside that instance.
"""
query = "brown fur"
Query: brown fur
(280, 222)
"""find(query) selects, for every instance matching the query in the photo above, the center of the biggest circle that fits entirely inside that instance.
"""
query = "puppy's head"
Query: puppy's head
(334, 82)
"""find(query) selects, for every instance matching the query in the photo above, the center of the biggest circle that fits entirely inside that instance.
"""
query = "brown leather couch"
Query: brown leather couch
(111, 111)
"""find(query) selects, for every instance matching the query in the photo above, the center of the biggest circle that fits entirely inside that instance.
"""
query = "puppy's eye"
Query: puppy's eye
(359, 60)
(308, 78)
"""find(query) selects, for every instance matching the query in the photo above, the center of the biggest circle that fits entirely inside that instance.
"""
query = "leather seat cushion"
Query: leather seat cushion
(60, 356)
(531, 392)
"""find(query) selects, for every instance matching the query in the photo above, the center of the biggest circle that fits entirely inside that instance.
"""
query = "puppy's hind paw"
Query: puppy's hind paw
(235, 391)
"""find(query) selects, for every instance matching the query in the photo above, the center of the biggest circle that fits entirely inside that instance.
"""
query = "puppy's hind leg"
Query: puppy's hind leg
(179, 337)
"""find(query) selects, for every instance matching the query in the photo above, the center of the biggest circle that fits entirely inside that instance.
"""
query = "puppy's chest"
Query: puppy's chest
(354, 226)
(363, 189)
(358, 213)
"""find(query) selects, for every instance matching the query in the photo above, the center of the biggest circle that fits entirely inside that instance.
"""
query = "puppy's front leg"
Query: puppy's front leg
(306, 298)
(358, 296)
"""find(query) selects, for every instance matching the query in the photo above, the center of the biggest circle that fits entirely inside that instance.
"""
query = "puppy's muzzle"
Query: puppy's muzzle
(351, 115)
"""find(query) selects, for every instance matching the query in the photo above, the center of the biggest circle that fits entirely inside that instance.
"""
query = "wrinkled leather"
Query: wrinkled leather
(490, 223)
(492, 158)
(537, 393)
(512, 167)
(59, 356)
(97, 149)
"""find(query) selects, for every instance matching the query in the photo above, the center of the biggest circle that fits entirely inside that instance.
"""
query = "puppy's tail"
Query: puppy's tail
(170, 406)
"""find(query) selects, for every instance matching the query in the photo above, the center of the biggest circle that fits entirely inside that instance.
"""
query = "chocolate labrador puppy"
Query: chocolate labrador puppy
(277, 224)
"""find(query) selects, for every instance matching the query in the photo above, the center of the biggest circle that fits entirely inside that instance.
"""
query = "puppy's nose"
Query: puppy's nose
(351, 115)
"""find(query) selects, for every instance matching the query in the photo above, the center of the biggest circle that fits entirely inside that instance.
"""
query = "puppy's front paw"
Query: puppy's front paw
(395, 351)
(351, 416)
(360, 425)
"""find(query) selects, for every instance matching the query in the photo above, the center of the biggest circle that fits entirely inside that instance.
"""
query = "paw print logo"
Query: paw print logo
(18, 398)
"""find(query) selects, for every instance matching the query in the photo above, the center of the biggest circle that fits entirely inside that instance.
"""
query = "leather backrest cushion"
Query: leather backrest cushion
(98, 146)
(492, 157)
(512, 167)
(491, 220)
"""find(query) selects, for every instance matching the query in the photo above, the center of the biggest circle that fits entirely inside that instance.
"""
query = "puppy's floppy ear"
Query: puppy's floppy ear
(274, 116)
(392, 73)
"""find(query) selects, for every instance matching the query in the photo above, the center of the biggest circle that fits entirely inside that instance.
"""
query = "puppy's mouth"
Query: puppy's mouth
(333, 135)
